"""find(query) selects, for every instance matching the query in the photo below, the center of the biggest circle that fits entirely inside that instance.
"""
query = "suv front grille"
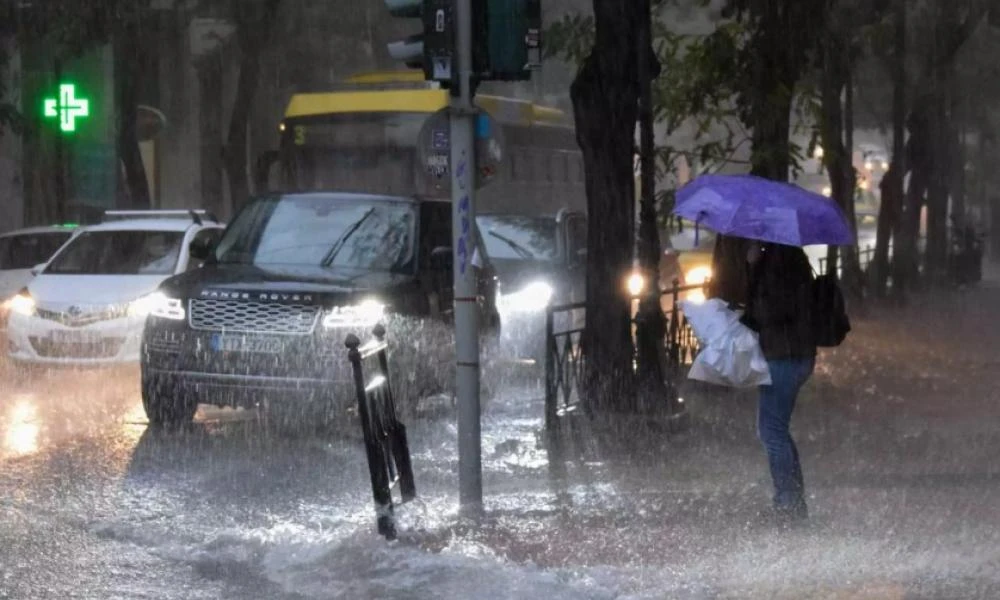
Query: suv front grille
(82, 319)
(105, 348)
(252, 317)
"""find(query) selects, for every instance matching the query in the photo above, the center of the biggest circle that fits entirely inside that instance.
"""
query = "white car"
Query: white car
(87, 306)
(23, 250)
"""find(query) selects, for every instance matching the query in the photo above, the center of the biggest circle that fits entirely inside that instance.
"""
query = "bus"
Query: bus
(362, 137)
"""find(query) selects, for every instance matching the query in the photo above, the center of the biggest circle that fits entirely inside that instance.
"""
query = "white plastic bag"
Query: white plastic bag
(730, 351)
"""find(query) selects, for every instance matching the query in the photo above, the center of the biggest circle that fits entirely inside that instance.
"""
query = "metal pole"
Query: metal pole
(463, 164)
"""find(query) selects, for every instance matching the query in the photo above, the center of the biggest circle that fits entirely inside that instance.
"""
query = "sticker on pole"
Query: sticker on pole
(434, 152)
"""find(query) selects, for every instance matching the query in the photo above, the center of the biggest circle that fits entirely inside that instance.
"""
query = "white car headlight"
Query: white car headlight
(365, 314)
(22, 304)
(533, 297)
(159, 305)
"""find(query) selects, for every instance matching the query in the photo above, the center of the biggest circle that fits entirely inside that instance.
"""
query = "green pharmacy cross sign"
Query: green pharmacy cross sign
(67, 107)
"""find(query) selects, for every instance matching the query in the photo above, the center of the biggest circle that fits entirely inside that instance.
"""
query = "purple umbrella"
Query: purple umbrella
(761, 209)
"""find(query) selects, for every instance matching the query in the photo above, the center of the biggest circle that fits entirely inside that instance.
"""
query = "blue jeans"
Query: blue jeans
(774, 416)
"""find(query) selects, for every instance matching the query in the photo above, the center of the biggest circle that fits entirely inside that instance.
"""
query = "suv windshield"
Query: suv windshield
(519, 237)
(26, 250)
(322, 230)
(119, 253)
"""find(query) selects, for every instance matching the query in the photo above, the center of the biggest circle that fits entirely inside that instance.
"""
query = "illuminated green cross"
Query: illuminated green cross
(68, 108)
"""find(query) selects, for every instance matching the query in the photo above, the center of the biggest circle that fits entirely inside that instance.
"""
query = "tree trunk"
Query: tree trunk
(126, 52)
(853, 276)
(995, 226)
(958, 180)
(905, 257)
(253, 36)
(60, 167)
(776, 69)
(838, 151)
(604, 95)
(651, 324)
(771, 160)
(210, 133)
(936, 253)
(890, 211)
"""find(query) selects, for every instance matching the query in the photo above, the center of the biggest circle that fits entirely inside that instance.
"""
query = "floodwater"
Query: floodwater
(899, 433)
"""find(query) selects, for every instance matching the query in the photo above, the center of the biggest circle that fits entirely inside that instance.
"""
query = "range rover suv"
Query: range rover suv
(266, 317)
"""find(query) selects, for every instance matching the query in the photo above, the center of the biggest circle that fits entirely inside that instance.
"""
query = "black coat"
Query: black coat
(779, 303)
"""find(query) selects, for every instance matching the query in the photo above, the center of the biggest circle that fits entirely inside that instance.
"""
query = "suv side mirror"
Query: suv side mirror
(200, 249)
(37, 269)
(442, 258)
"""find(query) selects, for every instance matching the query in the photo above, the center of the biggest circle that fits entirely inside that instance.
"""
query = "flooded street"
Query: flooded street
(899, 460)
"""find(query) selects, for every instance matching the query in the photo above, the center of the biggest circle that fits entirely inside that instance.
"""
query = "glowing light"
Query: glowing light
(827, 191)
(636, 284)
(885, 165)
(21, 436)
(158, 304)
(68, 108)
(532, 298)
(818, 153)
(22, 304)
(365, 314)
(697, 276)
(869, 165)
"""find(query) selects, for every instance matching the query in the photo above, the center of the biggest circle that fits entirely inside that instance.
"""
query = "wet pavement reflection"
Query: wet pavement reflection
(98, 504)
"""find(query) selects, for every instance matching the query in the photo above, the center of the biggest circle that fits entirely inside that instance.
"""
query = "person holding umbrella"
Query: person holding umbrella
(779, 298)
(779, 219)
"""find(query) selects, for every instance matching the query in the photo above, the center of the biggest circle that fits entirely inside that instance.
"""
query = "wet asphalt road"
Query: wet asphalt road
(900, 460)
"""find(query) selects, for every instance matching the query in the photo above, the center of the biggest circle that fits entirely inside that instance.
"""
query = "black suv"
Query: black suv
(266, 317)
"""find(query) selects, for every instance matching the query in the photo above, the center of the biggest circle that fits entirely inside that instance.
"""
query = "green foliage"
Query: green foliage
(693, 91)
(71, 28)
(10, 116)
(74, 27)
(570, 38)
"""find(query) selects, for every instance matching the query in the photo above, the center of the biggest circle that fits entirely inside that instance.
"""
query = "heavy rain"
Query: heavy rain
(405, 299)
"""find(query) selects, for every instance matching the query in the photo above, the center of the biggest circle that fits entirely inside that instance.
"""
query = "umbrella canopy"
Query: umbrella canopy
(761, 209)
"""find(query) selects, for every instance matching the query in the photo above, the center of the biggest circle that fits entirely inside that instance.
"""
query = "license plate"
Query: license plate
(255, 345)
(75, 337)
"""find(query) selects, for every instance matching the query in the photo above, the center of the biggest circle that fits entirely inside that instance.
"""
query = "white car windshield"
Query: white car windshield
(119, 253)
(322, 230)
(26, 250)
(519, 237)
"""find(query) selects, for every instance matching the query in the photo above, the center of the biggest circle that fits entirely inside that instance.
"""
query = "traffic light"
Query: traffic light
(506, 39)
(509, 36)
(411, 49)
(431, 49)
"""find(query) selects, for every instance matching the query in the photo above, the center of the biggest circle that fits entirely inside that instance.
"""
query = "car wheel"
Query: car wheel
(165, 405)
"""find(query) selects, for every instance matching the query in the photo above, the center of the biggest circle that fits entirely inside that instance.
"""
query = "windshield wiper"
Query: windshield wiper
(521, 250)
(339, 244)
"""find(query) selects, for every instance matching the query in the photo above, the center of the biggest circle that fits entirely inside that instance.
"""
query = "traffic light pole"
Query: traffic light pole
(463, 180)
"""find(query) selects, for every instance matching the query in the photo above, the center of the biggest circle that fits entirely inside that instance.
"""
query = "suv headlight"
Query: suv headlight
(22, 304)
(365, 314)
(159, 305)
(531, 298)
